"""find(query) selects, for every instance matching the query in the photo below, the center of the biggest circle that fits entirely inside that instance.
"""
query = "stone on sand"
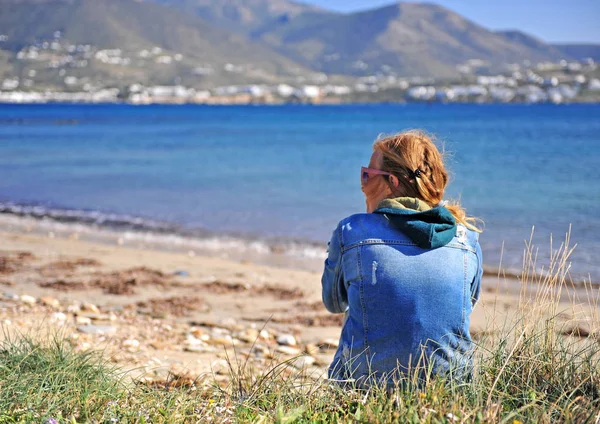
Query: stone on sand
(131, 345)
(288, 350)
(28, 300)
(80, 320)
(303, 361)
(286, 340)
(50, 301)
(90, 307)
(96, 329)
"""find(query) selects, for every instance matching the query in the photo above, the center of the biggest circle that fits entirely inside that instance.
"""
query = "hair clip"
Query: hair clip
(416, 173)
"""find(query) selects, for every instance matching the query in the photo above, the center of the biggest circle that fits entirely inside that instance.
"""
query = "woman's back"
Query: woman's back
(406, 304)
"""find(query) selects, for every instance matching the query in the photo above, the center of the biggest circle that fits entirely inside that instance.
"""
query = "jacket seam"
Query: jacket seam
(465, 291)
(401, 243)
(477, 278)
(362, 303)
(336, 275)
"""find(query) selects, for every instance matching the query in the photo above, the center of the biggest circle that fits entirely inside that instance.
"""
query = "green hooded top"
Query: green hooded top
(427, 227)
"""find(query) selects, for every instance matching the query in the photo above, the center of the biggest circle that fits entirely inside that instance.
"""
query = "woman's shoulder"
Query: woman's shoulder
(364, 226)
(349, 222)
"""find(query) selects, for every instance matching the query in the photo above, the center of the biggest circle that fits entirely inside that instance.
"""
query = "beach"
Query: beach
(164, 315)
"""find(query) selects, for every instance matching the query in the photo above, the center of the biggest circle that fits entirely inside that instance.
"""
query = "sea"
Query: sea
(273, 181)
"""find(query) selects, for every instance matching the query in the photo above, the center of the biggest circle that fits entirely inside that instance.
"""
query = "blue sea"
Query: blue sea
(287, 174)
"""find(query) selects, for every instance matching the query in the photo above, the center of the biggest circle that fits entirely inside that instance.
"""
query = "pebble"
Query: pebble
(154, 361)
(288, 350)
(217, 331)
(159, 345)
(329, 344)
(303, 361)
(99, 317)
(192, 340)
(96, 329)
(82, 320)
(196, 332)
(220, 366)
(58, 317)
(28, 300)
(311, 348)
(199, 349)
(261, 351)
(74, 308)
(196, 375)
(83, 347)
(286, 340)
(206, 323)
(50, 301)
(322, 360)
(90, 307)
(222, 341)
(250, 335)
(131, 345)
(230, 324)
(10, 296)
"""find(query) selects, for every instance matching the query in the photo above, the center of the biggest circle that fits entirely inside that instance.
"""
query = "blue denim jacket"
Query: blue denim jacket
(406, 306)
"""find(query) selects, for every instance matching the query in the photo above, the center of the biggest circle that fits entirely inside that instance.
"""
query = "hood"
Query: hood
(427, 227)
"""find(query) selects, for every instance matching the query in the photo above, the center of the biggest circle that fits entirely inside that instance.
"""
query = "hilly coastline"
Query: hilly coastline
(90, 45)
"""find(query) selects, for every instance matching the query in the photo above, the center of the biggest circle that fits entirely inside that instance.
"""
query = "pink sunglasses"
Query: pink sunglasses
(366, 172)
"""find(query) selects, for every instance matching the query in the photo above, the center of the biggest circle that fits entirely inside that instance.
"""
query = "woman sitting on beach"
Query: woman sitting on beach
(407, 273)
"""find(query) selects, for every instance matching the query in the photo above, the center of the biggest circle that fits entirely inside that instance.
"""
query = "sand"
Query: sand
(159, 313)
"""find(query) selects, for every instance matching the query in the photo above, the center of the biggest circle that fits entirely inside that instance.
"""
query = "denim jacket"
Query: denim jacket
(407, 301)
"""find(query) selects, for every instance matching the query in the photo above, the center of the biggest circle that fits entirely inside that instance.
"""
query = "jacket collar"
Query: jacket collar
(427, 227)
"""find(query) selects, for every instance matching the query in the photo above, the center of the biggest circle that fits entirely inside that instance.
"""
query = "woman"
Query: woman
(407, 273)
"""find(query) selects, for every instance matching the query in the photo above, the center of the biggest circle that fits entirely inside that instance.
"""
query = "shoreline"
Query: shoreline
(128, 230)
(135, 232)
(291, 253)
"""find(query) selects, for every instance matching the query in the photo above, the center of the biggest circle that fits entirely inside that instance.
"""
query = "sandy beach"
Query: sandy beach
(161, 314)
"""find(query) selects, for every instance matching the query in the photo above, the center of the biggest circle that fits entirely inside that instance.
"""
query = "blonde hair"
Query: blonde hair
(413, 150)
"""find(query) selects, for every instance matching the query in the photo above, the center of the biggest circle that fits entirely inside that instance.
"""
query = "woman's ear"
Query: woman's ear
(394, 181)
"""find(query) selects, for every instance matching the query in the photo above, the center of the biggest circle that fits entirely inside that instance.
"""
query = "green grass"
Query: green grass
(526, 371)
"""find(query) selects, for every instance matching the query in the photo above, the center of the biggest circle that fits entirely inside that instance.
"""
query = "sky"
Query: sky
(550, 20)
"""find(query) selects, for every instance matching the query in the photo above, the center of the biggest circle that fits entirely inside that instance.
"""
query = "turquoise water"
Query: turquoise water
(292, 172)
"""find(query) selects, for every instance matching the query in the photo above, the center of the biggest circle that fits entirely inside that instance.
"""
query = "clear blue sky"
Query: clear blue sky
(550, 20)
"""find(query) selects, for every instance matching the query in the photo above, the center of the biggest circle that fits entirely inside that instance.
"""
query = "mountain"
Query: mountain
(412, 38)
(530, 42)
(243, 16)
(580, 51)
(220, 42)
(134, 26)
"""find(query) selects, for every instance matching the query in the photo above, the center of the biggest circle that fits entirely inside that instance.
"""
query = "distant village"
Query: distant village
(561, 82)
